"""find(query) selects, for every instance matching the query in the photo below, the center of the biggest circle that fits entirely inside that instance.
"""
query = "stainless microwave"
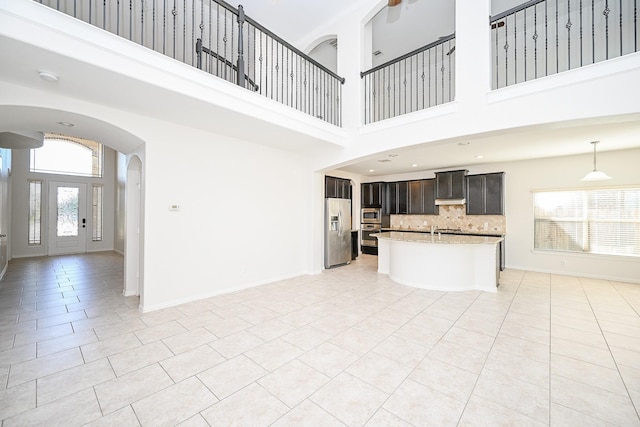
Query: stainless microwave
(371, 216)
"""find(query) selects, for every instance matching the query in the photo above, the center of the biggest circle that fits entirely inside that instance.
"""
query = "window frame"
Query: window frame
(587, 220)
(97, 155)
(37, 221)
(97, 212)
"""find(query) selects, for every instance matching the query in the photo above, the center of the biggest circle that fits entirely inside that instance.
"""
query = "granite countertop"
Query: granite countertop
(447, 231)
(436, 238)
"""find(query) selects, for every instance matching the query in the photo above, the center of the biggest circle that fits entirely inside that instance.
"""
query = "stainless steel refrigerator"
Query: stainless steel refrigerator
(337, 232)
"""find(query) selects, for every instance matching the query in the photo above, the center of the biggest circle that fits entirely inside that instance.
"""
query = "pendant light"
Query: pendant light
(595, 174)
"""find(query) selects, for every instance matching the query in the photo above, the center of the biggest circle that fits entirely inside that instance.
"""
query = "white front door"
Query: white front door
(67, 218)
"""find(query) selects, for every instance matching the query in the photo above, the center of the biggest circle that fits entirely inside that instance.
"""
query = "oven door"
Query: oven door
(366, 232)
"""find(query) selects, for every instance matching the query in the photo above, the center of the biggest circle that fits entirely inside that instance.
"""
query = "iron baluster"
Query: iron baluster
(525, 44)
(620, 30)
(557, 40)
(581, 41)
(506, 52)
(568, 27)
(442, 70)
(593, 32)
(515, 48)
(606, 20)
(184, 31)
(240, 65)
(546, 40)
(535, 42)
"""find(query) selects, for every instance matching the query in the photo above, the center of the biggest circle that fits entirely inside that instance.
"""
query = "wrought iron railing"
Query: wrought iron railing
(544, 37)
(417, 80)
(221, 40)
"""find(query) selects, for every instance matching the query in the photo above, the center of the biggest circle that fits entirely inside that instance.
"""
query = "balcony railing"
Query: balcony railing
(221, 40)
(544, 37)
(417, 80)
(533, 40)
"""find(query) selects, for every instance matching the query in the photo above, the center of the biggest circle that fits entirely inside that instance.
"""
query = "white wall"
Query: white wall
(242, 219)
(20, 204)
(523, 177)
(120, 181)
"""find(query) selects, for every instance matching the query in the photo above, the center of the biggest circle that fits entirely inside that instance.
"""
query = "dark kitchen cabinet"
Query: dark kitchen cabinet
(422, 197)
(403, 197)
(485, 194)
(396, 199)
(428, 188)
(390, 202)
(372, 194)
(337, 188)
(451, 184)
(415, 198)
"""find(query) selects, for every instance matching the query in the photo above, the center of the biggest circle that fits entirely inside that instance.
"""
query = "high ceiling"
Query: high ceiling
(292, 19)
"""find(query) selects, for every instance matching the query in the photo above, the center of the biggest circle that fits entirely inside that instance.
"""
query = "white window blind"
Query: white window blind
(598, 221)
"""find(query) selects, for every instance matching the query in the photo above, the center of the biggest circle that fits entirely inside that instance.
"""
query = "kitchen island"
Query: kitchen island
(440, 262)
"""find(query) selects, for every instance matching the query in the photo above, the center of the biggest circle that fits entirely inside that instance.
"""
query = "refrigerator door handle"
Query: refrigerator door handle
(339, 222)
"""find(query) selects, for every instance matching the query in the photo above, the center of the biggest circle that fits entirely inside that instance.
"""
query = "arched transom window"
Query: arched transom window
(67, 155)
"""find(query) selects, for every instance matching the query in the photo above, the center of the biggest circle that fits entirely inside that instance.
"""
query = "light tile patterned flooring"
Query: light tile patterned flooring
(347, 347)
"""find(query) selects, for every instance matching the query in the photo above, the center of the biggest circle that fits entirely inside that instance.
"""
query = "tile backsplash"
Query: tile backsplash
(452, 216)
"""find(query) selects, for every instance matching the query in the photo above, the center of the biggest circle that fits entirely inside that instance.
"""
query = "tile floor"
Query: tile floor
(347, 347)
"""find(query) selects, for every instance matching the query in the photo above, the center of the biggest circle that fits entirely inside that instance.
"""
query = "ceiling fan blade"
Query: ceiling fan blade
(394, 2)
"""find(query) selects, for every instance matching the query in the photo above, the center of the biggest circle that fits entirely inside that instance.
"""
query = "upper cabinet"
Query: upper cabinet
(372, 194)
(422, 197)
(396, 198)
(390, 198)
(485, 194)
(337, 188)
(451, 184)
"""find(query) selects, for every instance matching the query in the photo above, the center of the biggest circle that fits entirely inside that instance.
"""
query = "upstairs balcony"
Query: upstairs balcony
(536, 39)
(221, 40)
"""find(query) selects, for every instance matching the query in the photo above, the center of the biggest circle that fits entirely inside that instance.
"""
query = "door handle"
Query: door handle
(84, 222)
(2, 235)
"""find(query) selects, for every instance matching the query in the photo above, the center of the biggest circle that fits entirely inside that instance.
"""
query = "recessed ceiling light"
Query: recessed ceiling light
(384, 160)
(479, 156)
(415, 165)
(393, 155)
(463, 143)
(66, 124)
(371, 170)
(48, 76)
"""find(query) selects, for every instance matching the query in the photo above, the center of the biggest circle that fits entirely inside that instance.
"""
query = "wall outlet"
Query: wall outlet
(401, 222)
(563, 264)
(486, 226)
(425, 223)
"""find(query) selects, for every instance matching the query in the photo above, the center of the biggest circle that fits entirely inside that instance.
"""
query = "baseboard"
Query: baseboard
(575, 274)
(186, 300)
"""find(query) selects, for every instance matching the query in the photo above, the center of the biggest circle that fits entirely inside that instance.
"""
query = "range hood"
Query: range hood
(441, 202)
(451, 187)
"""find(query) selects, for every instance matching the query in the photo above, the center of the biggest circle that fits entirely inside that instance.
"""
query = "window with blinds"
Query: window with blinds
(597, 221)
